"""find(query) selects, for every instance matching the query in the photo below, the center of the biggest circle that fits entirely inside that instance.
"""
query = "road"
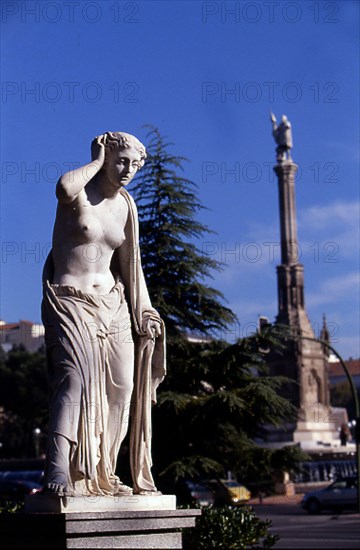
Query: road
(298, 529)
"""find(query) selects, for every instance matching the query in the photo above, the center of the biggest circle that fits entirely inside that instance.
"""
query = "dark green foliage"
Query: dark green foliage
(175, 269)
(216, 396)
(263, 467)
(23, 401)
(229, 529)
(212, 405)
(11, 507)
(341, 396)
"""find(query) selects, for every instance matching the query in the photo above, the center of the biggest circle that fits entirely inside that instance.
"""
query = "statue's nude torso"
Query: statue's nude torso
(86, 233)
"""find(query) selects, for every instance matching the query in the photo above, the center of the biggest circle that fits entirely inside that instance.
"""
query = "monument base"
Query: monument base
(307, 433)
(112, 529)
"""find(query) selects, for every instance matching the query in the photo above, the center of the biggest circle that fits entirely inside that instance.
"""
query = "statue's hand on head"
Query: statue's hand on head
(98, 150)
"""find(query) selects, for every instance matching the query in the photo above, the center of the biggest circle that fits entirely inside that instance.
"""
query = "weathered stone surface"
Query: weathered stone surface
(158, 540)
(92, 526)
(121, 529)
(53, 503)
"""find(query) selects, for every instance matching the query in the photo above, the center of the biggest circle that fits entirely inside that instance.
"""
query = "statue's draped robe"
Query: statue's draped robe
(72, 349)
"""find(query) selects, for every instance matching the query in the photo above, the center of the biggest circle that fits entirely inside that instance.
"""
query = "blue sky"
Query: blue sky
(207, 74)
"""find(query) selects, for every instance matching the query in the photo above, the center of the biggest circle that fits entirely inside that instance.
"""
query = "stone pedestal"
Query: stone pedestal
(319, 424)
(311, 432)
(48, 503)
(142, 525)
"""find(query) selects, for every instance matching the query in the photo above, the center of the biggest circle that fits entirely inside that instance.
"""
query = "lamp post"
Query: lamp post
(357, 408)
(37, 434)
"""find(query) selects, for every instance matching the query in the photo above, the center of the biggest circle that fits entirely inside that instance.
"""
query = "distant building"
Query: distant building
(337, 373)
(26, 333)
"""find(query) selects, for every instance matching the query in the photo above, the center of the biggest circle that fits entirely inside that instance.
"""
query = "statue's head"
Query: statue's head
(124, 156)
(121, 141)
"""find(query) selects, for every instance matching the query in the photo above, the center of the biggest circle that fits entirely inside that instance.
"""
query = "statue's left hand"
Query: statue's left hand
(151, 327)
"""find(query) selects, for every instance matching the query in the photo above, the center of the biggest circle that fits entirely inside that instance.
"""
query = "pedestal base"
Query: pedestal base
(311, 432)
(122, 529)
(48, 503)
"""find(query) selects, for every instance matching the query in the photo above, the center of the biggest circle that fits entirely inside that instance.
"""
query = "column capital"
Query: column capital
(286, 168)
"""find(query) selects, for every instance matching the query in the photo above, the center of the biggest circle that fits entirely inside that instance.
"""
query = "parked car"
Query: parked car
(199, 492)
(229, 492)
(22, 475)
(340, 495)
(212, 492)
(17, 489)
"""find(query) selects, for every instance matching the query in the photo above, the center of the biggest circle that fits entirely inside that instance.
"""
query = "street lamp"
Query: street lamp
(37, 434)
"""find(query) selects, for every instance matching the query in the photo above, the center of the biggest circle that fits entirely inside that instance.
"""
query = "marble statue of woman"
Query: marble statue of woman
(104, 340)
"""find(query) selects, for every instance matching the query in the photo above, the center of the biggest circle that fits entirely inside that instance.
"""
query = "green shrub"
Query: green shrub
(228, 528)
(11, 506)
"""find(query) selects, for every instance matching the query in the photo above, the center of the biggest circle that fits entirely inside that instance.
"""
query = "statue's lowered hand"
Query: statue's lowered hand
(151, 327)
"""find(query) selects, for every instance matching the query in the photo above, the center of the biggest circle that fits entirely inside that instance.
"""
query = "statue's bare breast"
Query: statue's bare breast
(86, 233)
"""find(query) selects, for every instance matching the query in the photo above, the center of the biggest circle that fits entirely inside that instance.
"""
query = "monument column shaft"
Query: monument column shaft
(288, 228)
(290, 272)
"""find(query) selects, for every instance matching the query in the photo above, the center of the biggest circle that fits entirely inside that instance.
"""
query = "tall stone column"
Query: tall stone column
(286, 172)
(304, 361)
(291, 301)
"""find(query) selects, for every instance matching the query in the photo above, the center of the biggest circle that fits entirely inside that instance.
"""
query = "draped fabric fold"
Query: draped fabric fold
(150, 359)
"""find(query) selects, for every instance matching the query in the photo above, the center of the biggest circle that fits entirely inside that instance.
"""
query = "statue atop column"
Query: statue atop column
(283, 137)
(104, 340)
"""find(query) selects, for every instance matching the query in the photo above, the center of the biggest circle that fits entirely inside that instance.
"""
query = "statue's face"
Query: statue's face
(121, 165)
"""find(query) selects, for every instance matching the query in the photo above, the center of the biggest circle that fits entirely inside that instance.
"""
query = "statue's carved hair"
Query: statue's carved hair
(122, 140)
